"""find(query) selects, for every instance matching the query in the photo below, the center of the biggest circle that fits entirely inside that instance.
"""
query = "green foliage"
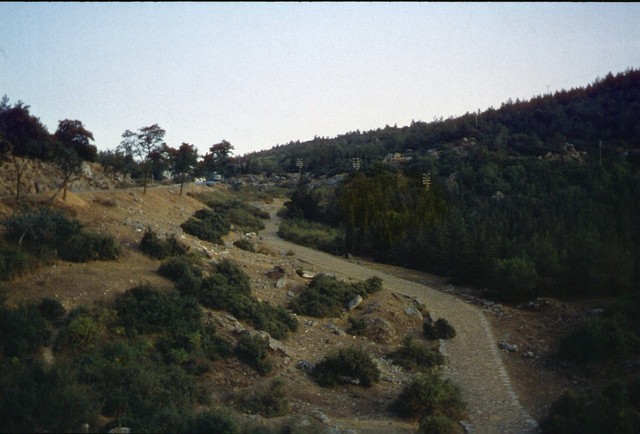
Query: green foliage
(185, 272)
(312, 234)
(245, 220)
(599, 339)
(51, 310)
(326, 296)
(12, 262)
(269, 401)
(414, 355)
(213, 421)
(89, 246)
(245, 245)
(517, 278)
(441, 329)
(24, 331)
(228, 288)
(352, 365)
(158, 248)
(44, 230)
(39, 399)
(254, 351)
(145, 309)
(429, 395)
(207, 225)
(616, 409)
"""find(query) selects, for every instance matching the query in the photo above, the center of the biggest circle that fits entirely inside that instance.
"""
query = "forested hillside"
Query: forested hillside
(536, 197)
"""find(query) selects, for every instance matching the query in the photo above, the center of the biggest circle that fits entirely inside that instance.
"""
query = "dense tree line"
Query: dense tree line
(521, 203)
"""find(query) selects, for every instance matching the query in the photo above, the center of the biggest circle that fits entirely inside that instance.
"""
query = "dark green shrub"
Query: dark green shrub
(12, 262)
(24, 331)
(245, 245)
(89, 246)
(41, 226)
(145, 309)
(51, 310)
(616, 409)
(268, 402)
(439, 424)
(429, 395)
(415, 355)
(352, 365)
(254, 350)
(213, 421)
(326, 296)
(441, 329)
(357, 326)
(184, 271)
(207, 225)
(245, 220)
(158, 248)
(312, 234)
(598, 339)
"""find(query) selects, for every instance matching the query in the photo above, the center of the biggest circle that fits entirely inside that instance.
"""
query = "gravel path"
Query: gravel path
(473, 359)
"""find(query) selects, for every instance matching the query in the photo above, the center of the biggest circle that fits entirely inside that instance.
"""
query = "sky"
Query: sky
(263, 74)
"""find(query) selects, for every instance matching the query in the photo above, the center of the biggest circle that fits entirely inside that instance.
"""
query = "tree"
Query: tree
(142, 145)
(23, 137)
(116, 163)
(71, 148)
(218, 158)
(183, 161)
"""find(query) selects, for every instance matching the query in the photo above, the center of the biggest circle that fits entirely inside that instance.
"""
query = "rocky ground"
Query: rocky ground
(525, 337)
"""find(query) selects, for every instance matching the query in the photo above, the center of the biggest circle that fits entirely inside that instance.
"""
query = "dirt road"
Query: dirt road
(473, 359)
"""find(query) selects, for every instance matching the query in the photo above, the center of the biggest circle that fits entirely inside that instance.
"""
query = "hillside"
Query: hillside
(127, 213)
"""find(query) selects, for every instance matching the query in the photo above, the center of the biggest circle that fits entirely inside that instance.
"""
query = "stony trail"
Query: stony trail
(473, 361)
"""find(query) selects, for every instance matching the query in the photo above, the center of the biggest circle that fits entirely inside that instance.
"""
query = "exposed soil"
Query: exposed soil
(126, 213)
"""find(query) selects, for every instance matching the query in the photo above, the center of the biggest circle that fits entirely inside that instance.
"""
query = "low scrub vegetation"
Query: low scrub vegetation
(154, 246)
(227, 287)
(245, 245)
(312, 234)
(327, 296)
(267, 401)
(352, 365)
(415, 355)
(207, 225)
(35, 235)
(254, 351)
(245, 217)
(441, 329)
(433, 401)
(616, 409)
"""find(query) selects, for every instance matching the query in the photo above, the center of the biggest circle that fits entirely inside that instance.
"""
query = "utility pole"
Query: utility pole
(356, 164)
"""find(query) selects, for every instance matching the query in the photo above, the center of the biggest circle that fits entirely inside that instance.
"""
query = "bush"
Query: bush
(89, 246)
(438, 424)
(326, 296)
(145, 309)
(598, 339)
(441, 329)
(51, 310)
(414, 355)
(312, 234)
(352, 365)
(245, 245)
(12, 262)
(245, 220)
(207, 225)
(157, 248)
(429, 395)
(617, 409)
(184, 271)
(24, 331)
(213, 421)
(254, 350)
(268, 402)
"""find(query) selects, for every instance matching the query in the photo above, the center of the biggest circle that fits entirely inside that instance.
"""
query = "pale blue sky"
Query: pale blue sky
(261, 74)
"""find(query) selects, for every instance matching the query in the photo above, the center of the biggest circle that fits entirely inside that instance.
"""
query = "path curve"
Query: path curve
(473, 361)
